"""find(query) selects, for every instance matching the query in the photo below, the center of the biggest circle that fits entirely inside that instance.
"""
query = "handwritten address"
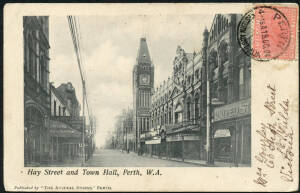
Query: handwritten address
(276, 140)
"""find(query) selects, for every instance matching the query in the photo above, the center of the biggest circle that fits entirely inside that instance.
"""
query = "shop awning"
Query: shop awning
(222, 133)
(60, 129)
(183, 128)
(153, 141)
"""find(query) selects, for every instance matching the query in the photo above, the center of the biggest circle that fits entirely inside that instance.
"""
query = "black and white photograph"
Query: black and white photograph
(115, 91)
(151, 97)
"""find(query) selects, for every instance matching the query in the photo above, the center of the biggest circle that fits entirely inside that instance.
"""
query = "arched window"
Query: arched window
(26, 53)
(223, 52)
(147, 124)
(178, 114)
(197, 107)
(241, 83)
(170, 116)
(188, 115)
(247, 82)
(54, 108)
(31, 57)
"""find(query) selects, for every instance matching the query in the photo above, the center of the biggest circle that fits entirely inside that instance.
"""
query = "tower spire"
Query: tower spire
(143, 56)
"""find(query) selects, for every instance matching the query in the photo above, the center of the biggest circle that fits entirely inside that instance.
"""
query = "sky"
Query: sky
(109, 48)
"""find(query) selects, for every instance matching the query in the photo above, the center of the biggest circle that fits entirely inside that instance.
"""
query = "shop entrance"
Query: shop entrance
(222, 146)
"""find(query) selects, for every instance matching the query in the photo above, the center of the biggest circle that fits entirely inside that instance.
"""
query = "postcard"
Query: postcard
(151, 97)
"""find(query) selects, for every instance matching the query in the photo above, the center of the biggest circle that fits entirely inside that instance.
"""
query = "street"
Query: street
(116, 158)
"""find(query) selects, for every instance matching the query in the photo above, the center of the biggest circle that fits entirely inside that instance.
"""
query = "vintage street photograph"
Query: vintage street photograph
(136, 91)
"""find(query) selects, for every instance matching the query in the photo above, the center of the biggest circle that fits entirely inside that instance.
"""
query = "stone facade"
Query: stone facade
(230, 78)
(179, 106)
(36, 90)
(143, 81)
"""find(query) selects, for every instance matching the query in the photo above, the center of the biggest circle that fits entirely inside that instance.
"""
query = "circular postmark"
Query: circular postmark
(270, 35)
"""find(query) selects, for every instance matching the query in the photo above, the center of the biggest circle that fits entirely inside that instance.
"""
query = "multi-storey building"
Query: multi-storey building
(143, 81)
(230, 80)
(65, 139)
(175, 114)
(36, 89)
(215, 80)
(67, 91)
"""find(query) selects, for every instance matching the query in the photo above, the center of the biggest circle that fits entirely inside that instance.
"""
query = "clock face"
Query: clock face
(144, 79)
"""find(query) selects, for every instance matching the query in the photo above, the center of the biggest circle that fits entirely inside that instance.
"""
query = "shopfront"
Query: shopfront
(232, 133)
(36, 149)
(64, 141)
(154, 146)
(175, 145)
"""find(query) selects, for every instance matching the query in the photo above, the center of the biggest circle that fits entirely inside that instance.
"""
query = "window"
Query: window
(152, 123)
(178, 117)
(148, 124)
(188, 110)
(141, 124)
(54, 108)
(241, 83)
(178, 114)
(26, 53)
(166, 118)
(225, 91)
(140, 99)
(32, 58)
(214, 90)
(247, 82)
(197, 74)
(59, 109)
(196, 108)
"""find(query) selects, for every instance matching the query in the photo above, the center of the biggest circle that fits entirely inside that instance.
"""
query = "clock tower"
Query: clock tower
(143, 82)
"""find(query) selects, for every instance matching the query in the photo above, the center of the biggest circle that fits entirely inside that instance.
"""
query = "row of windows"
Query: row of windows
(244, 88)
(197, 76)
(61, 110)
(35, 62)
(144, 98)
(219, 26)
(144, 123)
(192, 112)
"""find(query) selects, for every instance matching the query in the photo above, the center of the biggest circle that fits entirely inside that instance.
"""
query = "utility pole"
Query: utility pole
(83, 125)
(208, 119)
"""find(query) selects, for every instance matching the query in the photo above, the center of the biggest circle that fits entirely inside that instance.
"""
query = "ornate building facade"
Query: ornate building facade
(36, 90)
(143, 81)
(215, 80)
(230, 80)
(176, 119)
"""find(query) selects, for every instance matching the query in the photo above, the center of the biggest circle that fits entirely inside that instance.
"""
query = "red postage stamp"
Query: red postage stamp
(273, 35)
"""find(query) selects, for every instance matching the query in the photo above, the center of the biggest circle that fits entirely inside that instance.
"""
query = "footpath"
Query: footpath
(197, 162)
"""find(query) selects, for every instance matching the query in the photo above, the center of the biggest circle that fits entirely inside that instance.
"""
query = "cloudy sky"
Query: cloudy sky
(109, 46)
